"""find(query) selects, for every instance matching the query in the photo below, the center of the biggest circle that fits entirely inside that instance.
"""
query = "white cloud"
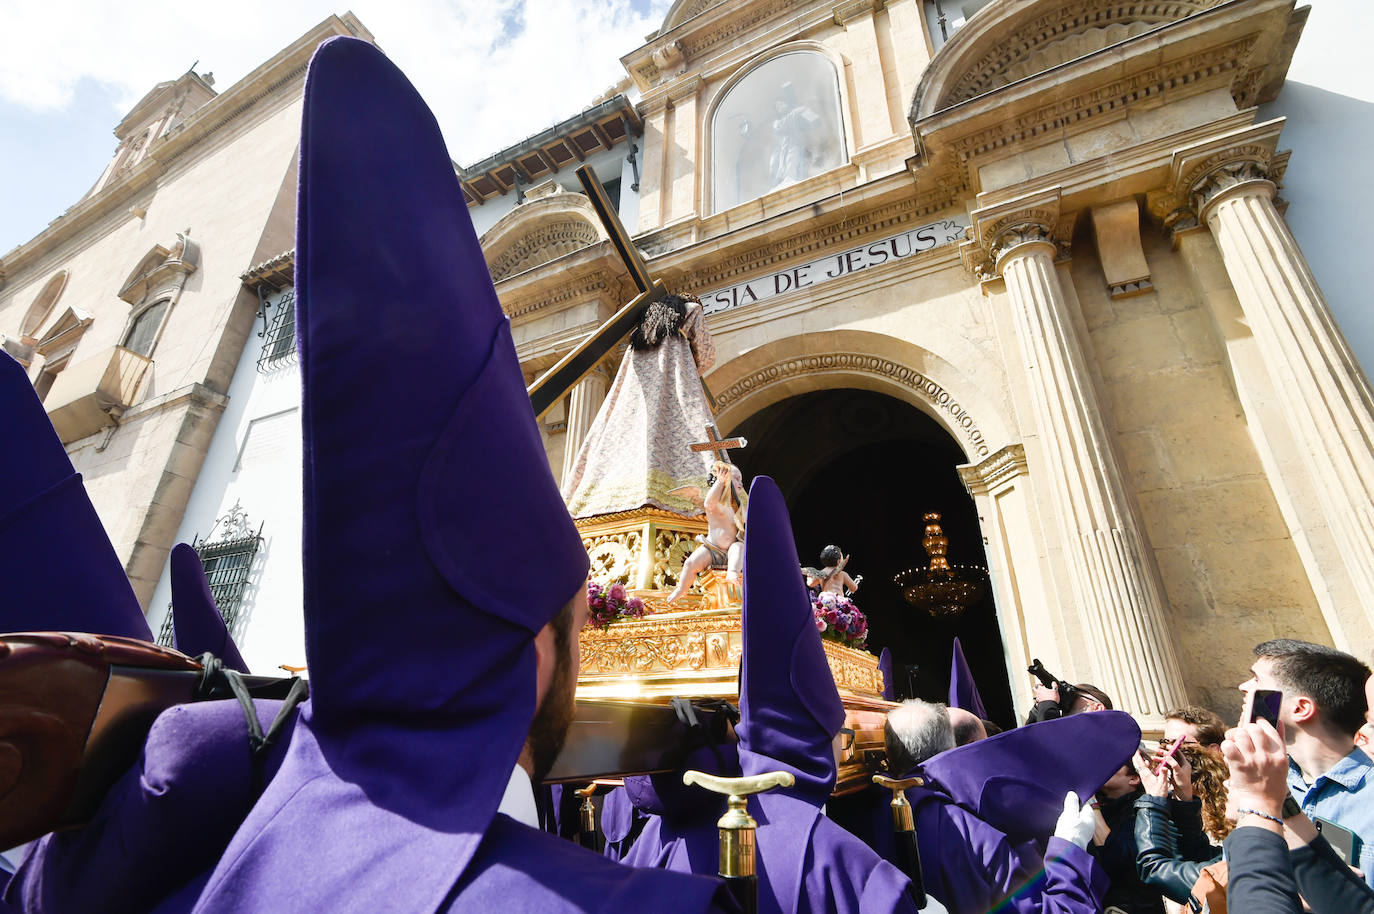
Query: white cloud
(492, 73)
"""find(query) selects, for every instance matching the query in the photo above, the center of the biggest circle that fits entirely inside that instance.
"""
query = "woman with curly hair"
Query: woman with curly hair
(1183, 806)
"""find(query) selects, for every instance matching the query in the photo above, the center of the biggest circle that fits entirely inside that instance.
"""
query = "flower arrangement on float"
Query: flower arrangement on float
(838, 619)
(611, 604)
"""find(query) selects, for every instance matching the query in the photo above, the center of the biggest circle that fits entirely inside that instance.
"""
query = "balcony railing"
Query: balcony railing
(93, 393)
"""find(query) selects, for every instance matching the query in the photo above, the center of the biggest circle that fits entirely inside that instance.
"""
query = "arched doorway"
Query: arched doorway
(858, 468)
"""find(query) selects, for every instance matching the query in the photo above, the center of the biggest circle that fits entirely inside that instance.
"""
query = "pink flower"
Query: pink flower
(617, 592)
(820, 624)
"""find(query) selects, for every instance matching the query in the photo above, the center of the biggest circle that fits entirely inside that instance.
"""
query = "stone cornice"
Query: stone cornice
(271, 78)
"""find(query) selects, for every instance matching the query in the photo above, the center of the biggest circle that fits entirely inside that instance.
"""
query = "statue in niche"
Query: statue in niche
(722, 547)
(795, 127)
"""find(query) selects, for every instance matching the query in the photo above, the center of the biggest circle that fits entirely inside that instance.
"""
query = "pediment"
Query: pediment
(161, 269)
(683, 10)
(539, 231)
(1010, 40)
(59, 333)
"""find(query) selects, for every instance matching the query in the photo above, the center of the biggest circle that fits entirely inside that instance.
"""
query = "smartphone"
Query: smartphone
(1263, 704)
(1342, 840)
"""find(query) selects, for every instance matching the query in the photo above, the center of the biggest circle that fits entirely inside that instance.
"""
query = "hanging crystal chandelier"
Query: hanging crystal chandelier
(941, 589)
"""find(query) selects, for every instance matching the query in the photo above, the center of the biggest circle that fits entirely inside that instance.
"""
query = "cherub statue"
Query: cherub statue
(831, 577)
(723, 545)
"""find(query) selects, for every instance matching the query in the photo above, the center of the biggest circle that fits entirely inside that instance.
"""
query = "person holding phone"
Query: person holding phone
(1263, 878)
(1322, 708)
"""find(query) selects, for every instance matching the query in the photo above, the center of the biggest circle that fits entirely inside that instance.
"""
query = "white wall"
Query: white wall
(255, 460)
(1329, 102)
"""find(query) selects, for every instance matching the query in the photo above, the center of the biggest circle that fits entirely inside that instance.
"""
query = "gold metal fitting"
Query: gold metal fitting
(588, 808)
(902, 818)
(737, 826)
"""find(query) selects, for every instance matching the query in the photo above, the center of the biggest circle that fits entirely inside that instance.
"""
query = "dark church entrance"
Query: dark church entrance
(859, 469)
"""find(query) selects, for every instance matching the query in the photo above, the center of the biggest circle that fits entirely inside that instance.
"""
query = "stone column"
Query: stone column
(583, 404)
(1114, 580)
(1320, 388)
(683, 167)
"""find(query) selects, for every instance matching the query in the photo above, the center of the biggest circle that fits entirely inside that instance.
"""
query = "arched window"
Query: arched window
(42, 305)
(143, 331)
(778, 125)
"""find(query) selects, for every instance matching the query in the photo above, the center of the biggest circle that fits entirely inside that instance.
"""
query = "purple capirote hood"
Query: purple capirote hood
(435, 541)
(790, 709)
(1016, 781)
(963, 691)
(196, 623)
(61, 573)
(885, 666)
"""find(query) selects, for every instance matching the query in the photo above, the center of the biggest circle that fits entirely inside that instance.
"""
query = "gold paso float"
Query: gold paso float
(691, 648)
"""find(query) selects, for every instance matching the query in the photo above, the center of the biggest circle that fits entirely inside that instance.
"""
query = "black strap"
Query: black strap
(218, 681)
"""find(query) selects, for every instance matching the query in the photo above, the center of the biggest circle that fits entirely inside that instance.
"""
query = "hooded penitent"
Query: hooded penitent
(963, 691)
(196, 623)
(174, 811)
(983, 824)
(435, 545)
(790, 713)
(61, 573)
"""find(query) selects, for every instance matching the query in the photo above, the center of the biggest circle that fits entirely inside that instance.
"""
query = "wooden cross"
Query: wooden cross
(721, 446)
(554, 384)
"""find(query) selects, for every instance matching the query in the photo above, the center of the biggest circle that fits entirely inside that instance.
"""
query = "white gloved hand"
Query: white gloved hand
(1076, 824)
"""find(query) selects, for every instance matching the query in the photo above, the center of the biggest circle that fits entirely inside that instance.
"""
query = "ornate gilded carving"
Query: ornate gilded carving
(670, 653)
(866, 364)
(671, 548)
(613, 556)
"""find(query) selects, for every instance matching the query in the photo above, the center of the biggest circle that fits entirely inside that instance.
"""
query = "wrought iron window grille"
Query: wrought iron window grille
(279, 342)
(227, 554)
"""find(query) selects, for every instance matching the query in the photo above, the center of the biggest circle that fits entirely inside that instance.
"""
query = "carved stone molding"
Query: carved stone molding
(926, 388)
(847, 12)
(994, 472)
(543, 243)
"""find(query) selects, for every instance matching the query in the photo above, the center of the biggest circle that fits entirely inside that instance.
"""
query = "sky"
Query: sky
(494, 73)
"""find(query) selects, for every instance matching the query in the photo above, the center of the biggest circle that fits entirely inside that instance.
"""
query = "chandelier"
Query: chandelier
(941, 589)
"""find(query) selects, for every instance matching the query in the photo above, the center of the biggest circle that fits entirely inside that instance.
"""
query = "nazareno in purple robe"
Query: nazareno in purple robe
(980, 837)
(197, 624)
(790, 712)
(420, 609)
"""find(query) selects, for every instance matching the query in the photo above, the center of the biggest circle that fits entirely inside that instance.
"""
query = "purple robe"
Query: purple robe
(196, 621)
(790, 712)
(420, 609)
(971, 867)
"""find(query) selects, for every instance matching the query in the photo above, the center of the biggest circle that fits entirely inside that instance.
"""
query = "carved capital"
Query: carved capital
(995, 472)
(1204, 172)
(1223, 178)
(1013, 236)
(684, 89)
(1000, 228)
(846, 13)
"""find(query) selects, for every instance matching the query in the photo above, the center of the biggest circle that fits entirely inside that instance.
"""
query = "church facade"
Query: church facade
(1057, 233)
(1023, 262)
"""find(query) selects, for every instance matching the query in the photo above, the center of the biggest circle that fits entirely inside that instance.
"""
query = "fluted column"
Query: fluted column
(1114, 580)
(583, 404)
(1324, 395)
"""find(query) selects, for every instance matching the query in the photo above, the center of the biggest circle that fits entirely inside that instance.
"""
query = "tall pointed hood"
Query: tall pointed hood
(60, 571)
(1016, 781)
(963, 691)
(435, 541)
(196, 623)
(885, 667)
(789, 708)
